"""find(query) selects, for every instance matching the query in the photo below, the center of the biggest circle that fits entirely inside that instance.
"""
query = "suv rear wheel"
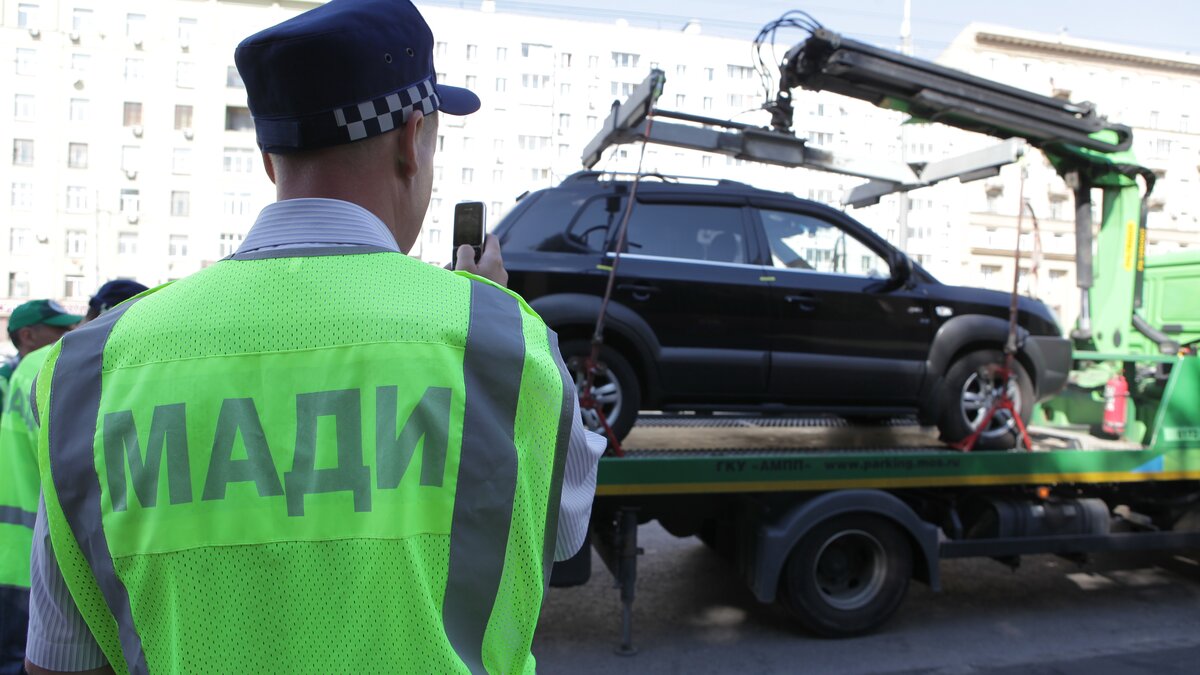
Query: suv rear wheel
(616, 386)
(970, 387)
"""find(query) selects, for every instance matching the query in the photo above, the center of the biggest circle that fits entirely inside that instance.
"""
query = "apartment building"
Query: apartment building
(134, 152)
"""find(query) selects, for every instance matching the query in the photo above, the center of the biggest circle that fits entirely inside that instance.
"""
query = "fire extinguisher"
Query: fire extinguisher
(1116, 393)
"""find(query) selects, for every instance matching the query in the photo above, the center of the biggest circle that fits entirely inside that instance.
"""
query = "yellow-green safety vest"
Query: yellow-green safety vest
(19, 484)
(309, 460)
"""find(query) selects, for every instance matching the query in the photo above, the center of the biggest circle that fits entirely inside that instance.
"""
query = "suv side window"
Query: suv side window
(689, 231)
(804, 242)
(595, 221)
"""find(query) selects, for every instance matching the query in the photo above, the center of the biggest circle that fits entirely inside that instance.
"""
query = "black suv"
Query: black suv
(729, 297)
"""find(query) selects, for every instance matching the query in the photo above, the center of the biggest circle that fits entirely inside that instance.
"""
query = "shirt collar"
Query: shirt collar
(316, 222)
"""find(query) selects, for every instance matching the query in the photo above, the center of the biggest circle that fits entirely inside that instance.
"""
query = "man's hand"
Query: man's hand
(490, 265)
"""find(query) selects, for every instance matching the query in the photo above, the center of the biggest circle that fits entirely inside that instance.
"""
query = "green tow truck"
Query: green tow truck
(835, 530)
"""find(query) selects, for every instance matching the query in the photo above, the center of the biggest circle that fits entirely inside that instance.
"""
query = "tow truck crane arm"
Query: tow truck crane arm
(1086, 149)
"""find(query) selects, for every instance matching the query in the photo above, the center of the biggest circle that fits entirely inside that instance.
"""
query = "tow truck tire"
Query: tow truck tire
(957, 414)
(618, 387)
(847, 575)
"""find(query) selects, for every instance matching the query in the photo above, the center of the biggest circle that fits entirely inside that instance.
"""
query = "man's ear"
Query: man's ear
(410, 140)
(269, 165)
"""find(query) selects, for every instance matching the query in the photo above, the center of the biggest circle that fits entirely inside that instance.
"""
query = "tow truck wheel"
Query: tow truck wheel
(847, 576)
(616, 386)
(968, 391)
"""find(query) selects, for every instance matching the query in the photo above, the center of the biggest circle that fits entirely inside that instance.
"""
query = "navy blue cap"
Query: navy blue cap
(345, 71)
(114, 293)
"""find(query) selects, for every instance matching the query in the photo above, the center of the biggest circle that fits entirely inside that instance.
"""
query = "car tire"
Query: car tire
(617, 386)
(964, 400)
(847, 576)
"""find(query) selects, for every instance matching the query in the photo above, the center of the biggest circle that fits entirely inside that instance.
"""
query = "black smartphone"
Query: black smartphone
(469, 221)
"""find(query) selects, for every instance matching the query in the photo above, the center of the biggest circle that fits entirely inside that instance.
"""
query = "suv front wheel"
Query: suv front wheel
(616, 386)
(970, 387)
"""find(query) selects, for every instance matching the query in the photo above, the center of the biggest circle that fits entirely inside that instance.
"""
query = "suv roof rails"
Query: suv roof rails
(597, 176)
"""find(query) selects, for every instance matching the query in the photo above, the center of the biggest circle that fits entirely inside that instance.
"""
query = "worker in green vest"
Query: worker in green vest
(32, 327)
(318, 455)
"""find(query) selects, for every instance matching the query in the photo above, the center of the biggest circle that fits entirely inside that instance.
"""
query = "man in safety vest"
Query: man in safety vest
(317, 455)
(32, 327)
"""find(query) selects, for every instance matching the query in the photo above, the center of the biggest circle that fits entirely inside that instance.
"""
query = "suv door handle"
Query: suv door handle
(807, 302)
(641, 292)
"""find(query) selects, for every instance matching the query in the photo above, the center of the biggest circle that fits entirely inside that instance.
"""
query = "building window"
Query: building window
(233, 79)
(76, 243)
(1185, 125)
(18, 285)
(533, 142)
(239, 160)
(127, 243)
(681, 70)
(135, 26)
(565, 59)
(187, 29)
(181, 161)
(564, 89)
(680, 100)
(23, 107)
(131, 202)
(471, 81)
(501, 53)
(1153, 119)
(73, 286)
(989, 272)
(497, 176)
(26, 61)
(185, 74)
(77, 155)
(625, 60)
(77, 198)
(229, 243)
(740, 72)
(535, 81)
(135, 69)
(22, 152)
(131, 158)
(80, 63)
(439, 49)
(494, 209)
(177, 246)
(501, 84)
(238, 118)
(472, 52)
(28, 15)
(707, 103)
(468, 175)
(183, 117)
(82, 20)
(539, 174)
(592, 121)
(22, 196)
(133, 114)
(623, 88)
(237, 204)
(19, 239)
(181, 203)
(709, 74)
(77, 111)
(564, 122)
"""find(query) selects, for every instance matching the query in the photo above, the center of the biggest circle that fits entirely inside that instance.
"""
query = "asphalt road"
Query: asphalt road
(693, 615)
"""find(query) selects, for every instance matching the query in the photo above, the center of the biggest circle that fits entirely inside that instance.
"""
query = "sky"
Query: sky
(1169, 25)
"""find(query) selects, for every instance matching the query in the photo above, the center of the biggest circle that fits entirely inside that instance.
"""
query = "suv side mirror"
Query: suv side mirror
(902, 271)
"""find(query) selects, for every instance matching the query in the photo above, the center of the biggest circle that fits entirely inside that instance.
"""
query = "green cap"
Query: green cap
(34, 312)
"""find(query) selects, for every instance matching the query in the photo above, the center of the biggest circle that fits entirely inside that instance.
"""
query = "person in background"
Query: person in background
(33, 327)
(110, 295)
(319, 454)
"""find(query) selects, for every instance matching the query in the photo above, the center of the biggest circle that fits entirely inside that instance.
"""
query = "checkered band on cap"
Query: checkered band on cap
(381, 115)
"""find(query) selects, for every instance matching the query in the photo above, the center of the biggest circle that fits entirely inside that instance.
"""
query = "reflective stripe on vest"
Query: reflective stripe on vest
(74, 408)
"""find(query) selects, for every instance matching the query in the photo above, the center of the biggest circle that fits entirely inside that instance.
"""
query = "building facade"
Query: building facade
(134, 152)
